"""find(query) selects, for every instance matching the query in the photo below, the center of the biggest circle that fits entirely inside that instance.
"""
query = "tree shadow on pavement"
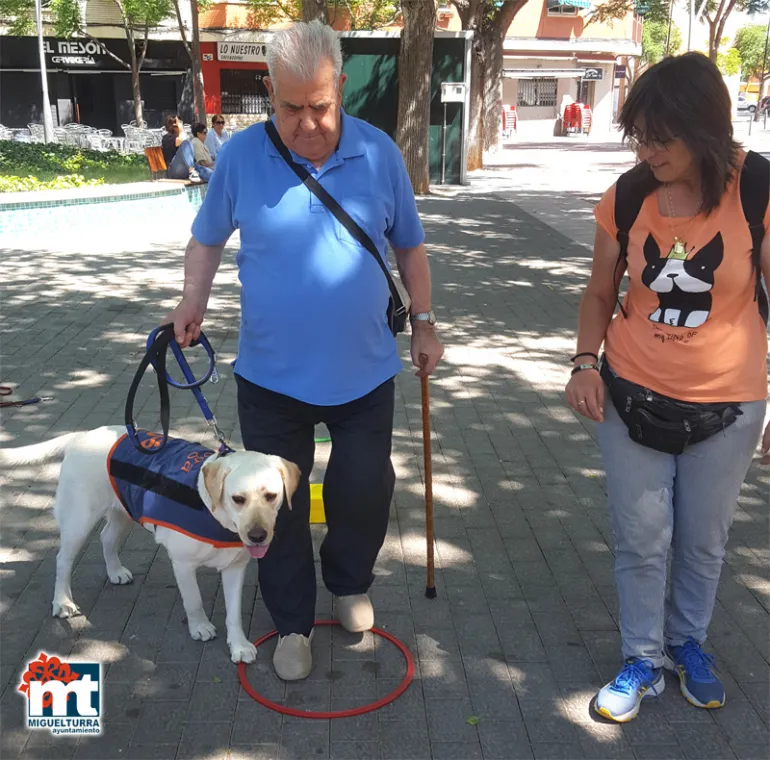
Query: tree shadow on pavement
(524, 628)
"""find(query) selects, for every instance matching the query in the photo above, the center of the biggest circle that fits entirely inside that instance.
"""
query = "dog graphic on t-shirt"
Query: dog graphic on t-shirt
(683, 285)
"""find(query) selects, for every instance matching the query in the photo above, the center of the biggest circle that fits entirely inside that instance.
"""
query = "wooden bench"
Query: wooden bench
(158, 167)
(156, 161)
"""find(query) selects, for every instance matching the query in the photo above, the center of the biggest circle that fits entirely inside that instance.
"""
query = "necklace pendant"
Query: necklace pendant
(678, 250)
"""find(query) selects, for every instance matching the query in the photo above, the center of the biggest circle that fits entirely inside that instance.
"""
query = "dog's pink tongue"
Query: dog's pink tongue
(257, 551)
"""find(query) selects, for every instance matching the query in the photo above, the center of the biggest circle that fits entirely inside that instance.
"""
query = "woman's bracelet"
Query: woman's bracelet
(585, 353)
(583, 368)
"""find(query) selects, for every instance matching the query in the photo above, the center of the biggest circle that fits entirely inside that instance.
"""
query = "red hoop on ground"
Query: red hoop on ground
(395, 694)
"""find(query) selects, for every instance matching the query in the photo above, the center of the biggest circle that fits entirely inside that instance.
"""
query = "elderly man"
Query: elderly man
(315, 346)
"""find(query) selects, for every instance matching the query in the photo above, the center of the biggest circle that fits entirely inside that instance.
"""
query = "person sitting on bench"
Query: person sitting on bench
(182, 164)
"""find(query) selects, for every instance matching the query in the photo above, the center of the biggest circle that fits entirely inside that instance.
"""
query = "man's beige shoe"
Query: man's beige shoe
(355, 612)
(293, 659)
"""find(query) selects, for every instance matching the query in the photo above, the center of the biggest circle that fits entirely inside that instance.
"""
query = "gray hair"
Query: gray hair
(299, 50)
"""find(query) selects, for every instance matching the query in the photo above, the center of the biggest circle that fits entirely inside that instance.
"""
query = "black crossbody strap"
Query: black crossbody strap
(342, 216)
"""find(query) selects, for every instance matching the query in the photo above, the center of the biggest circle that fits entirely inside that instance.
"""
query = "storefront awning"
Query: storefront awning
(570, 3)
(543, 73)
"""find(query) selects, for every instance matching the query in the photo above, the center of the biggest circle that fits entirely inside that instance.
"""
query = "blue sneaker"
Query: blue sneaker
(697, 678)
(620, 699)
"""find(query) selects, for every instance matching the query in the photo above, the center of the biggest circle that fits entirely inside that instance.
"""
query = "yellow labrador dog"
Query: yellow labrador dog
(243, 491)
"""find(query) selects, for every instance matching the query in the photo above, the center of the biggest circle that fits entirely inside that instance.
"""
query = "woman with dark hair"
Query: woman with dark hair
(172, 139)
(684, 368)
(216, 137)
(179, 153)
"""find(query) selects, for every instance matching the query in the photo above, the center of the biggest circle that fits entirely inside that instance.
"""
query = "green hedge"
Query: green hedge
(34, 166)
(62, 182)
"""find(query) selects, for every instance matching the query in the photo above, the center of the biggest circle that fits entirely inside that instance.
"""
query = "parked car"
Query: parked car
(744, 106)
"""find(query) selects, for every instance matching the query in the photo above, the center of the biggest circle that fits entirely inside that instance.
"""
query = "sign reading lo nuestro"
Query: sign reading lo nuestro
(246, 52)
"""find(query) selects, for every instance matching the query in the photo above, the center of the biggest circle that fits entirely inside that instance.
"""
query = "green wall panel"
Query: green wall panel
(371, 93)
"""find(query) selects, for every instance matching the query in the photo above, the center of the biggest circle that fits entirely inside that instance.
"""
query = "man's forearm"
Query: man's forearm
(200, 266)
(415, 273)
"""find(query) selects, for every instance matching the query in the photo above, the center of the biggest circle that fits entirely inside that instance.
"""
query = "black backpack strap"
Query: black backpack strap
(630, 192)
(755, 196)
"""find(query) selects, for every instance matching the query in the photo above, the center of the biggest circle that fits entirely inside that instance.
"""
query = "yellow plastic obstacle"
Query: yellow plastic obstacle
(317, 514)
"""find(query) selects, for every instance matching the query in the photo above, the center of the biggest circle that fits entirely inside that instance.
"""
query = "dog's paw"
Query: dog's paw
(202, 630)
(243, 651)
(66, 608)
(123, 576)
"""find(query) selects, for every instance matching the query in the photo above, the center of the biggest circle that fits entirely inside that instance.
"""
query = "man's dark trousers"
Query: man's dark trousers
(358, 488)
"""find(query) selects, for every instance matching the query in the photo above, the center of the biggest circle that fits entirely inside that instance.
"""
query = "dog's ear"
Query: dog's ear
(710, 256)
(214, 474)
(652, 250)
(290, 474)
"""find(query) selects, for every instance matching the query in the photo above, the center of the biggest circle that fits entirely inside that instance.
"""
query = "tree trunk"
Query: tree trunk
(197, 70)
(315, 9)
(415, 64)
(717, 26)
(136, 87)
(492, 106)
(713, 46)
(471, 13)
(476, 99)
(721, 27)
(494, 31)
(486, 96)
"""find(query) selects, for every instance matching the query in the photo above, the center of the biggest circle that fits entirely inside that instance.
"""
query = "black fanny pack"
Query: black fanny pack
(663, 423)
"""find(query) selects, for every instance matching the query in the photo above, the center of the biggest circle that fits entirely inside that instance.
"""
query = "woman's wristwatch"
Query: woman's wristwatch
(583, 368)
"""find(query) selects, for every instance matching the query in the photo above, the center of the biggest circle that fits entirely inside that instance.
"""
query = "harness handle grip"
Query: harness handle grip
(157, 348)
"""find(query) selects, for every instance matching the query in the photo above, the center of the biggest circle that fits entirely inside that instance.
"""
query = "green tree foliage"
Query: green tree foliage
(364, 14)
(750, 43)
(656, 11)
(729, 62)
(18, 16)
(654, 37)
(713, 12)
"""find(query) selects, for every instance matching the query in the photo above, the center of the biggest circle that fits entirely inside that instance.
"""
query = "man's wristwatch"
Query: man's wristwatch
(423, 316)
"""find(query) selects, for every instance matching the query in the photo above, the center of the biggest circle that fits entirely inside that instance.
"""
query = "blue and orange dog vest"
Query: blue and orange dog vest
(162, 489)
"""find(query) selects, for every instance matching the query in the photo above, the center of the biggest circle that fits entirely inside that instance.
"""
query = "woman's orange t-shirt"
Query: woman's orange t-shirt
(693, 329)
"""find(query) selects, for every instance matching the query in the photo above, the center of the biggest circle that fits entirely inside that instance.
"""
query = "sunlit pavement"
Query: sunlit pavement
(524, 629)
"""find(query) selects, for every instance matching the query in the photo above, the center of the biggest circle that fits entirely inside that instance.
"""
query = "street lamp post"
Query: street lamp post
(47, 120)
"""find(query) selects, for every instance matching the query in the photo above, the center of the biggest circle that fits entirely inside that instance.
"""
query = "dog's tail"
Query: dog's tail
(38, 452)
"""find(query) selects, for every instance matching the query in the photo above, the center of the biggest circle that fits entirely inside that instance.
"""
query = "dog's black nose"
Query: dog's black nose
(257, 535)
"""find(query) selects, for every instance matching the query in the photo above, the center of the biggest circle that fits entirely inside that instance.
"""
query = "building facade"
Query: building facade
(86, 83)
(554, 56)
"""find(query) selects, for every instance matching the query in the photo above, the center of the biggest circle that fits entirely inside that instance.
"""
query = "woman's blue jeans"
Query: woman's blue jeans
(183, 161)
(685, 502)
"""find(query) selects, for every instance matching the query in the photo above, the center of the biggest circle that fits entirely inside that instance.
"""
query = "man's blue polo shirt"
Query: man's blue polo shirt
(313, 301)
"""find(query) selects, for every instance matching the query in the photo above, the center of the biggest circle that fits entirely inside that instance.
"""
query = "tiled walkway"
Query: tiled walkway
(524, 628)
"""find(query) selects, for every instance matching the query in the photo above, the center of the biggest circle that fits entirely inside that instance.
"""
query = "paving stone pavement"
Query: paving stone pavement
(524, 629)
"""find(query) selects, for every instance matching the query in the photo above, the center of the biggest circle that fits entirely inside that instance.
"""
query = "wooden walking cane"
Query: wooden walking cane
(430, 588)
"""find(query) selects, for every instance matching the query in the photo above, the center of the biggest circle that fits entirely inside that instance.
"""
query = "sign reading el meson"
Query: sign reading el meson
(74, 52)
(244, 52)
